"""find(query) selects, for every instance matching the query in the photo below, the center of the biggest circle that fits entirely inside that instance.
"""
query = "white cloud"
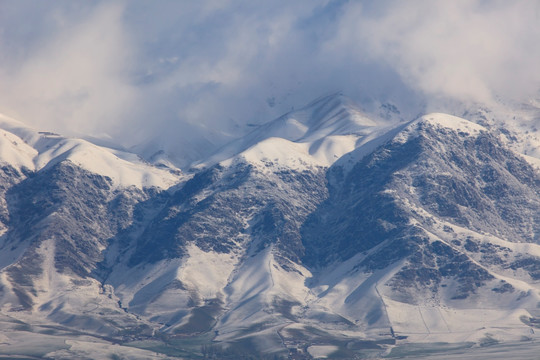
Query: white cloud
(76, 78)
(463, 49)
(178, 72)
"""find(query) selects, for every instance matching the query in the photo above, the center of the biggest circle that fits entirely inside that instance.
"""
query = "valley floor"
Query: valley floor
(22, 341)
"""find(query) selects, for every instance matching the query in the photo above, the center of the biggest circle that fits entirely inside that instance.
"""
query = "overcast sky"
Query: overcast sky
(138, 69)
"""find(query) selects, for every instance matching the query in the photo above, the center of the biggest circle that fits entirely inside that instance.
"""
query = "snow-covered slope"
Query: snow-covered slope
(517, 122)
(397, 246)
(322, 232)
(316, 135)
(24, 147)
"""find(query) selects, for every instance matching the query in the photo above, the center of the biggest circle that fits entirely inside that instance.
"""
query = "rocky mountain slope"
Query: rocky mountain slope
(325, 232)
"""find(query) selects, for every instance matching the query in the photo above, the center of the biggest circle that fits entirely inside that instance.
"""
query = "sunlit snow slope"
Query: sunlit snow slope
(316, 135)
(326, 231)
(24, 147)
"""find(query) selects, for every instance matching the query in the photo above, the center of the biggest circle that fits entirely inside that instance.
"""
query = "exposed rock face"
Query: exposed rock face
(429, 177)
(270, 248)
(229, 209)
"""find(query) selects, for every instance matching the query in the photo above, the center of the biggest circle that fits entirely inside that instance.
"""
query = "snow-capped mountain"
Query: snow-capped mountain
(327, 231)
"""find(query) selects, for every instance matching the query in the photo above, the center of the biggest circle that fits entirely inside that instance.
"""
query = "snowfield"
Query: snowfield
(326, 232)
(24, 147)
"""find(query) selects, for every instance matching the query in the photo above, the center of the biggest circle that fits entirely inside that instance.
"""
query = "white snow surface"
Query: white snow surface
(453, 122)
(439, 120)
(206, 272)
(253, 287)
(328, 130)
(24, 147)
(257, 284)
(321, 351)
(22, 344)
(316, 135)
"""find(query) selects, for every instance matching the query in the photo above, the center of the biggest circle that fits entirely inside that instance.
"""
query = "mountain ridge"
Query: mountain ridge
(321, 228)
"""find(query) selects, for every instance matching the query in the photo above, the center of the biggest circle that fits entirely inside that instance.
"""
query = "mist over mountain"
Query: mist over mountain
(326, 232)
(183, 77)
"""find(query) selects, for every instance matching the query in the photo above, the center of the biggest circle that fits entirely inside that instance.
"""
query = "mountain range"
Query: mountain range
(327, 232)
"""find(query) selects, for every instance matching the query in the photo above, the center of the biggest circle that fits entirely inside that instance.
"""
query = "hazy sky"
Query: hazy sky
(142, 69)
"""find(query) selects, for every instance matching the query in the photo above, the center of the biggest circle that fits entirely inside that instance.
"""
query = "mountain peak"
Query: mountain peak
(439, 120)
(452, 122)
(24, 147)
(318, 134)
(322, 227)
(331, 115)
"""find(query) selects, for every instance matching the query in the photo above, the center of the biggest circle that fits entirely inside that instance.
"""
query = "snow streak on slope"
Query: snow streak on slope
(352, 298)
(437, 173)
(322, 231)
